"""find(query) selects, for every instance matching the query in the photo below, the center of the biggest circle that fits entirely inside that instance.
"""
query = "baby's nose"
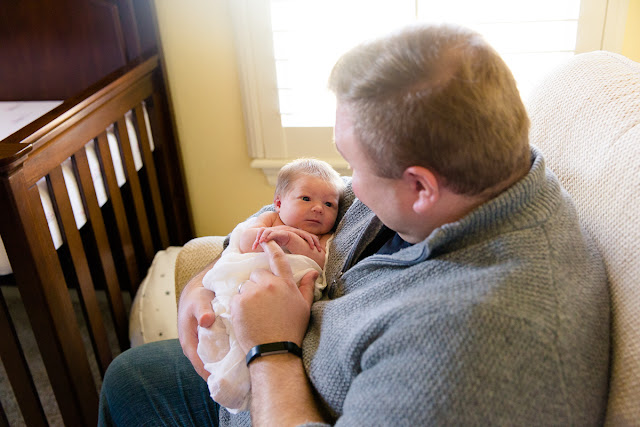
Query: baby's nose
(317, 207)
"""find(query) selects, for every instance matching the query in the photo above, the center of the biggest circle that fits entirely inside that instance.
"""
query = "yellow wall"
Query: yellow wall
(631, 44)
(197, 43)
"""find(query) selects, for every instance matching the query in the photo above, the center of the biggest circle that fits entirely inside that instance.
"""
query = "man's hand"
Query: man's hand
(194, 309)
(271, 307)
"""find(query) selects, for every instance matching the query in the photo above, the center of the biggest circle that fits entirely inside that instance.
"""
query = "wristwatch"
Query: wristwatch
(270, 349)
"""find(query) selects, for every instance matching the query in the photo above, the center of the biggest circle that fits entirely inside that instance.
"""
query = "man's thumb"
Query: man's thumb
(307, 286)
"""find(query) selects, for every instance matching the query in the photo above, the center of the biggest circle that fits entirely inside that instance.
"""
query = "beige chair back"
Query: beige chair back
(586, 120)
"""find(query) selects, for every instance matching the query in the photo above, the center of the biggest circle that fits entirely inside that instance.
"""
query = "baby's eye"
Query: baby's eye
(328, 204)
(306, 198)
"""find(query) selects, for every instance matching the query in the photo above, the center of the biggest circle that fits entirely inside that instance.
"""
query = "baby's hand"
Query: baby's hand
(256, 243)
(312, 239)
(281, 237)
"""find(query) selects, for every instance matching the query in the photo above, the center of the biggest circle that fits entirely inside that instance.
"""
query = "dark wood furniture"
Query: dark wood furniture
(100, 57)
(51, 50)
(148, 213)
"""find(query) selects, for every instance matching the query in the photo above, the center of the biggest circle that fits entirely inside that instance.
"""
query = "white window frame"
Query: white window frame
(601, 26)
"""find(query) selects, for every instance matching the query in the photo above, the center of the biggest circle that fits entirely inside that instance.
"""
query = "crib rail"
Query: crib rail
(147, 213)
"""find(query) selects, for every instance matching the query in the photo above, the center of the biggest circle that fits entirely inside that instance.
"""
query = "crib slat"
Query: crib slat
(170, 178)
(138, 198)
(118, 208)
(87, 289)
(17, 371)
(150, 167)
(94, 214)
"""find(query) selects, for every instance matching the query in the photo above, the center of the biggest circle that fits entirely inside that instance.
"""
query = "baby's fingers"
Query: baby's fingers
(313, 240)
(256, 242)
(266, 236)
(309, 239)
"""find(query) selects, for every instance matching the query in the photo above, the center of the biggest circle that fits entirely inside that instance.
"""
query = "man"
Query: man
(461, 287)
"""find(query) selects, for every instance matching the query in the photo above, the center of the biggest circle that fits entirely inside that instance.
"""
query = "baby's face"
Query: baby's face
(311, 204)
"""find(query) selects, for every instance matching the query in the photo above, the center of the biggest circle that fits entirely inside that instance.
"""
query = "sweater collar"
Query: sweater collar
(528, 202)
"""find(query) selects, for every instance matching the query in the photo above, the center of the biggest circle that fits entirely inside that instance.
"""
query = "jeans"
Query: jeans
(155, 385)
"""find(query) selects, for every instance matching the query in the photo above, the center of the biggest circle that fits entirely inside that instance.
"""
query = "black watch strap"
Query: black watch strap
(273, 348)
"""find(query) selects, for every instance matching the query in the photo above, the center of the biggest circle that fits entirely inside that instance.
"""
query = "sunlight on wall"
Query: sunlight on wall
(631, 45)
(200, 63)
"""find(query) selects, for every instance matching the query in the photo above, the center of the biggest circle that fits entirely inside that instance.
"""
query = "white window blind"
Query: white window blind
(308, 38)
(288, 47)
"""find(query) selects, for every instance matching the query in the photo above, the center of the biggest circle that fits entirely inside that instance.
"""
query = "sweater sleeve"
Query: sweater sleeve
(456, 368)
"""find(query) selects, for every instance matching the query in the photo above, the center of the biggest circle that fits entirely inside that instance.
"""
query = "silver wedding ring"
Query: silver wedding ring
(240, 285)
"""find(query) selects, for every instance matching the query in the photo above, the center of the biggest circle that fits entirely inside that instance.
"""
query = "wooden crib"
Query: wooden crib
(112, 251)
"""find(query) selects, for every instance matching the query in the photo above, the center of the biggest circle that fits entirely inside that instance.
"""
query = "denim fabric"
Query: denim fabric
(155, 385)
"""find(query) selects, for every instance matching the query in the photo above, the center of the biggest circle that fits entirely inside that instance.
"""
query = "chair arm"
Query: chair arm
(194, 257)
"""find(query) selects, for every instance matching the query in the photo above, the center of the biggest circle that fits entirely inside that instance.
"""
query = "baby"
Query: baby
(306, 206)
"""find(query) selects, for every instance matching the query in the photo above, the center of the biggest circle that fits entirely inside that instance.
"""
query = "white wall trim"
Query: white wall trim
(614, 26)
(601, 26)
(257, 73)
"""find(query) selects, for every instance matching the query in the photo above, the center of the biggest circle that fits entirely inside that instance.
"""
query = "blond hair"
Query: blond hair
(438, 97)
(292, 171)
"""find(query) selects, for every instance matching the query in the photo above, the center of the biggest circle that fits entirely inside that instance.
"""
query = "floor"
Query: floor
(34, 360)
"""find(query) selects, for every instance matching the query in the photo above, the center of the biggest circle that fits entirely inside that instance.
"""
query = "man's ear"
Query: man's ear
(277, 203)
(424, 186)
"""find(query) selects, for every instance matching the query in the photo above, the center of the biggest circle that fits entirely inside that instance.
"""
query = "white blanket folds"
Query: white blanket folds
(229, 382)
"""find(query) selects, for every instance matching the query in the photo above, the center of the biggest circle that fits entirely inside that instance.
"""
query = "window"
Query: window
(286, 49)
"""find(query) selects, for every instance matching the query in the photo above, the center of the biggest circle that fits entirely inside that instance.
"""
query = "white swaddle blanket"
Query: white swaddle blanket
(218, 348)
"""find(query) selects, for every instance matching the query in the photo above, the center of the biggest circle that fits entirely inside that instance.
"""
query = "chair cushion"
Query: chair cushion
(153, 311)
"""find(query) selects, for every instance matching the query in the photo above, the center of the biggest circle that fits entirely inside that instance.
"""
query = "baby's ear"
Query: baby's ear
(276, 203)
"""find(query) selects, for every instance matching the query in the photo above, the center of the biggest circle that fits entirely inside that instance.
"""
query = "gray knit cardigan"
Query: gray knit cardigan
(500, 318)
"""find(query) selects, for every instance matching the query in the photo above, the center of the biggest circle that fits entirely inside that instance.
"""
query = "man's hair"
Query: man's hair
(308, 167)
(438, 97)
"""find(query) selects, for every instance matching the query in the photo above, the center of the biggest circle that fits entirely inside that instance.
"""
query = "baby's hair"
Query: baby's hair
(307, 167)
